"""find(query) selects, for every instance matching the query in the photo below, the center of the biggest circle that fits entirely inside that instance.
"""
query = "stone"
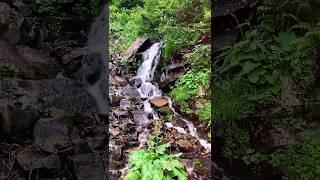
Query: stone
(28, 63)
(184, 145)
(4, 15)
(89, 167)
(23, 8)
(172, 73)
(75, 54)
(118, 81)
(30, 159)
(51, 135)
(159, 101)
(130, 91)
(126, 104)
(133, 49)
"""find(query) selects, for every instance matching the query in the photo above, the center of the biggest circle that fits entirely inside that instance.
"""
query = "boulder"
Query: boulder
(126, 104)
(28, 63)
(23, 8)
(135, 47)
(4, 15)
(172, 73)
(31, 159)
(159, 101)
(89, 167)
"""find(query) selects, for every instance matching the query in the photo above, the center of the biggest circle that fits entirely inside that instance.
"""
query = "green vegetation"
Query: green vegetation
(279, 52)
(6, 71)
(154, 163)
(85, 8)
(179, 24)
(299, 161)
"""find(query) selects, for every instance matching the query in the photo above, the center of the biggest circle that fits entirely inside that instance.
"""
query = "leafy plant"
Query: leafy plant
(299, 161)
(6, 71)
(204, 113)
(236, 142)
(189, 84)
(154, 163)
(50, 7)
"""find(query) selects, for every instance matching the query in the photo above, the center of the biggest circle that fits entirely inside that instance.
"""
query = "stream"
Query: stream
(147, 90)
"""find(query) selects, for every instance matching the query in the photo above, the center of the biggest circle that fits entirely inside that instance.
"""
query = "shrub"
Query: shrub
(154, 163)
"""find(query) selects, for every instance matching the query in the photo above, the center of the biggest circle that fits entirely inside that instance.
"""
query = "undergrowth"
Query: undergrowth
(155, 163)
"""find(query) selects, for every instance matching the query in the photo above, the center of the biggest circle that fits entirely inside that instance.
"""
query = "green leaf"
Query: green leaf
(285, 39)
(162, 148)
(255, 75)
(248, 66)
(132, 175)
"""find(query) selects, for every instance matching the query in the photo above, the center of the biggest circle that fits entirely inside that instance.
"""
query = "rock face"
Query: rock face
(4, 15)
(172, 73)
(135, 47)
(29, 63)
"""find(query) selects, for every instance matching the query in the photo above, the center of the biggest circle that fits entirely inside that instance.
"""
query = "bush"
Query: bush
(154, 163)
(299, 161)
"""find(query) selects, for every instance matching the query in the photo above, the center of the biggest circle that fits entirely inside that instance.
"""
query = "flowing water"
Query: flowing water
(93, 72)
(149, 90)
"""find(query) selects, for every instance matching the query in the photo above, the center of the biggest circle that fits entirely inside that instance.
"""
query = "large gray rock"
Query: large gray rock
(31, 159)
(24, 101)
(4, 15)
(89, 167)
(134, 48)
(28, 63)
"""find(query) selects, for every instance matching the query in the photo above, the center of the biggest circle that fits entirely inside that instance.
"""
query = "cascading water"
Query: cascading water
(148, 90)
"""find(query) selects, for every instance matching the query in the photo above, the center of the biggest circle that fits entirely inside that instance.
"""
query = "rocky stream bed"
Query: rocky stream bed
(138, 107)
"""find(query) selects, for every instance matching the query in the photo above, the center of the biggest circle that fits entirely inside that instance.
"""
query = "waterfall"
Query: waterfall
(93, 72)
(148, 90)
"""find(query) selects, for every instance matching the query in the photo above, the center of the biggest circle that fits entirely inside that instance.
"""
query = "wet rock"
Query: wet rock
(23, 8)
(134, 48)
(4, 16)
(51, 135)
(267, 137)
(31, 159)
(40, 65)
(159, 101)
(126, 104)
(172, 73)
(185, 145)
(130, 91)
(13, 34)
(89, 167)
(73, 55)
(115, 100)
(118, 81)
(119, 113)
(17, 116)
(28, 63)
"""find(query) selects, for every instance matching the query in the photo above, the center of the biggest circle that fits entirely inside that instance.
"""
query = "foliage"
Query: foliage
(128, 4)
(236, 142)
(299, 161)
(6, 71)
(157, 19)
(87, 8)
(50, 7)
(154, 163)
(284, 15)
(200, 57)
(189, 84)
(204, 113)
(231, 101)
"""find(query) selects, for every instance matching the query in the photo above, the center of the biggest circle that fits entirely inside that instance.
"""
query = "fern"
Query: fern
(154, 163)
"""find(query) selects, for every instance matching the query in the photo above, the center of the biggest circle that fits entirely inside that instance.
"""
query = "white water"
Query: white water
(146, 71)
